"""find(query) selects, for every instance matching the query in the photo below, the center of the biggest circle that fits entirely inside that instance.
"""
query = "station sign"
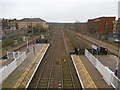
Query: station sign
(94, 47)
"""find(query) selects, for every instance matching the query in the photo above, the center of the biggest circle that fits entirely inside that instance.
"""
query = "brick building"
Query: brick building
(115, 26)
(102, 25)
(13, 24)
(31, 22)
(9, 24)
(25, 23)
(118, 26)
(4, 23)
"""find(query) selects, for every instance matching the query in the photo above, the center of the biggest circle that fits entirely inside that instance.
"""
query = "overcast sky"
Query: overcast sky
(58, 10)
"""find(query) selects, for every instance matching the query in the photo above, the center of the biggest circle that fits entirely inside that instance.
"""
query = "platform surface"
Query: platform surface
(108, 61)
(89, 75)
(12, 80)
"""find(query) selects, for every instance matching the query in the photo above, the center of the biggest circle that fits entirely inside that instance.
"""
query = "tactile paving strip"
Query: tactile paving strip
(25, 77)
(83, 73)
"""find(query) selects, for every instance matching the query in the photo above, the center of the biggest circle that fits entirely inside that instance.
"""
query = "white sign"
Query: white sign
(94, 47)
(42, 37)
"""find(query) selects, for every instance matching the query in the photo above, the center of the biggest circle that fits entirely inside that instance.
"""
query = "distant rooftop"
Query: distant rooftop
(32, 19)
(100, 18)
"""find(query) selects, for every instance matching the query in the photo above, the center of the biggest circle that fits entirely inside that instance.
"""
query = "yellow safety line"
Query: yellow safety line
(81, 68)
(86, 79)
(83, 74)
(85, 71)
(26, 71)
(90, 85)
(21, 78)
(23, 84)
(27, 77)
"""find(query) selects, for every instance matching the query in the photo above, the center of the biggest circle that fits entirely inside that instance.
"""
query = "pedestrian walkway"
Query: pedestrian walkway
(31, 61)
(88, 74)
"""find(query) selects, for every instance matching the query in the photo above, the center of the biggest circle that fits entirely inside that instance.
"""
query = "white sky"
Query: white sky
(58, 10)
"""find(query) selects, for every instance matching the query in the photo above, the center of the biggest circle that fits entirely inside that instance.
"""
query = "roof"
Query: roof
(100, 18)
(32, 19)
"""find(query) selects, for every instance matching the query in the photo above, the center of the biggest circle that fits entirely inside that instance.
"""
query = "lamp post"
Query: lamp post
(27, 44)
(118, 41)
(117, 72)
(118, 62)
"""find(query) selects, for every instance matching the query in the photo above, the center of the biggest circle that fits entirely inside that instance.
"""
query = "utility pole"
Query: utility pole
(32, 37)
(117, 72)
(118, 62)
(27, 44)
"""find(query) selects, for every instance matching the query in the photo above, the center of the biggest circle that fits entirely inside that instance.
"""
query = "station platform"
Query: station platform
(108, 60)
(22, 75)
(88, 74)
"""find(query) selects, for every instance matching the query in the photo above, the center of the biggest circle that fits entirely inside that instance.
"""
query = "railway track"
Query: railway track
(4, 56)
(109, 60)
(56, 69)
(70, 63)
(110, 51)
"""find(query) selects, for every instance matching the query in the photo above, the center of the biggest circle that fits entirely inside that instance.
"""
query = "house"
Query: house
(27, 23)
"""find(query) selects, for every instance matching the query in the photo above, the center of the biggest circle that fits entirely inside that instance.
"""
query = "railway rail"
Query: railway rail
(20, 47)
(109, 60)
(109, 51)
(56, 69)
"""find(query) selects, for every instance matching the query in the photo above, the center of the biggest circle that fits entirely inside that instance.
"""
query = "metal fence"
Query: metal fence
(13, 55)
(107, 74)
(91, 57)
(115, 82)
(7, 70)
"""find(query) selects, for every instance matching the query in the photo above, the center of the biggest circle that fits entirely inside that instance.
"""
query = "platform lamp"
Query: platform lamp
(118, 63)
(118, 41)
(27, 43)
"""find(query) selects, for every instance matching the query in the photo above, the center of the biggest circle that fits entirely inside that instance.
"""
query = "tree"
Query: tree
(39, 28)
(92, 28)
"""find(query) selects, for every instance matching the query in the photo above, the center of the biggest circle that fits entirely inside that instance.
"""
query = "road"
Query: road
(56, 70)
